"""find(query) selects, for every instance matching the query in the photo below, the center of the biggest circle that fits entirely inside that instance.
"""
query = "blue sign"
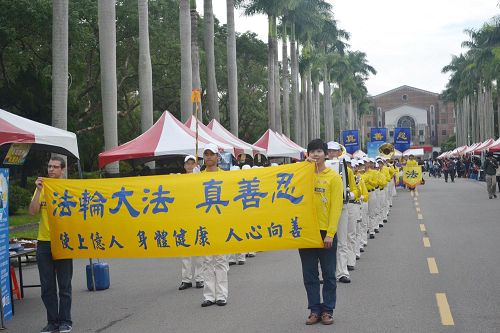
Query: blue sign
(373, 149)
(350, 138)
(4, 243)
(402, 138)
(378, 134)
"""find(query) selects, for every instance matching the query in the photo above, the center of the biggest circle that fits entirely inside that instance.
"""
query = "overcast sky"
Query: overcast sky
(407, 41)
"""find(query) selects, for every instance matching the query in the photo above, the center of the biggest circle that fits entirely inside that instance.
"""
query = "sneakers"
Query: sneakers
(185, 285)
(50, 328)
(313, 318)
(65, 328)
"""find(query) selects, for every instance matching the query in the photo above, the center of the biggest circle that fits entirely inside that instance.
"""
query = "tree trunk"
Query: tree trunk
(107, 51)
(295, 88)
(60, 64)
(286, 83)
(212, 91)
(195, 55)
(327, 105)
(277, 90)
(303, 114)
(271, 101)
(317, 118)
(145, 71)
(232, 71)
(310, 106)
(186, 69)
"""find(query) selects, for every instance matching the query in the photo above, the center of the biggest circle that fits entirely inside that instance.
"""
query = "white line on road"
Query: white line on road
(420, 216)
(427, 242)
(422, 227)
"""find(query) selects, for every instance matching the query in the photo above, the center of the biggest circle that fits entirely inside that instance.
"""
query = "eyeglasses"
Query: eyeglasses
(50, 166)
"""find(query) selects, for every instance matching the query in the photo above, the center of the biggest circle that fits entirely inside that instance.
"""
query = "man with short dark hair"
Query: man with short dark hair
(328, 200)
(490, 167)
(53, 273)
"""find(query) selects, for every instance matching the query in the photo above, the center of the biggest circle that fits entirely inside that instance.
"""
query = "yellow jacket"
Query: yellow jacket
(370, 179)
(328, 200)
(351, 182)
(411, 163)
(362, 188)
(387, 173)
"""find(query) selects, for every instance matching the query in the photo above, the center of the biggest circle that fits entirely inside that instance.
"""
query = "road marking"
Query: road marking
(433, 269)
(420, 217)
(418, 209)
(422, 228)
(416, 203)
(412, 194)
(415, 198)
(427, 243)
(444, 309)
(416, 193)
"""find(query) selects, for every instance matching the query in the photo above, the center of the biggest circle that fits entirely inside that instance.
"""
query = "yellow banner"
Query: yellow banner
(412, 176)
(183, 215)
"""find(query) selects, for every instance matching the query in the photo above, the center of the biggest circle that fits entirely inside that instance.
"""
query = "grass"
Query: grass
(23, 217)
(31, 233)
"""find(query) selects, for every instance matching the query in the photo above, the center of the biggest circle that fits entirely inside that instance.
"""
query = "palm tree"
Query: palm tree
(107, 48)
(232, 71)
(186, 69)
(286, 80)
(145, 71)
(195, 55)
(212, 91)
(60, 64)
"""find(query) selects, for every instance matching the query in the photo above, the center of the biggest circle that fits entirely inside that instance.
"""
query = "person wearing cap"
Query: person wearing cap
(371, 184)
(365, 197)
(490, 167)
(386, 172)
(361, 226)
(215, 290)
(380, 194)
(353, 217)
(327, 200)
(191, 263)
(338, 165)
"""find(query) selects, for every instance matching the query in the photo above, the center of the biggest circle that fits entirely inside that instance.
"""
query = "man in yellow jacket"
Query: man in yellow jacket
(328, 203)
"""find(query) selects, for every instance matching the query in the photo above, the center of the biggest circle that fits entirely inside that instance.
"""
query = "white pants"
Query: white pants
(364, 223)
(379, 196)
(394, 192)
(372, 212)
(342, 248)
(190, 263)
(237, 257)
(215, 274)
(352, 219)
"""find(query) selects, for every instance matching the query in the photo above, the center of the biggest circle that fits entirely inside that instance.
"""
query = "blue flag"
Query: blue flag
(378, 134)
(402, 138)
(350, 138)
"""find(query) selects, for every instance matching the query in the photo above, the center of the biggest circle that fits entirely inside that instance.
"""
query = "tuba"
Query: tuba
(344, 151)
(386, 150)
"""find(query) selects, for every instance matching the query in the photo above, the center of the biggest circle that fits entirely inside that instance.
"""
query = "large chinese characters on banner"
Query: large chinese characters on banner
(412, 176)
(183, 215)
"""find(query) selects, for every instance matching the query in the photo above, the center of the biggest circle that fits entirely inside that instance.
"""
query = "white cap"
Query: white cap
(347, 159)
(332, 145)
(274, 164)
(354, 163)
(372, 160)
(361, 161)
(255, 167)
(366, 159)
(189, 157)
(234, 168)
(246, 167)
(212, 147)
(376, 165)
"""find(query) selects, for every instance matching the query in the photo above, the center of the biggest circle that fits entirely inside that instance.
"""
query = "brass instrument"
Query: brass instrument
(344, 151)
(386, 150)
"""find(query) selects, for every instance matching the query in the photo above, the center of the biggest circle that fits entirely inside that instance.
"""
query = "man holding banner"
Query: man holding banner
(328, 194)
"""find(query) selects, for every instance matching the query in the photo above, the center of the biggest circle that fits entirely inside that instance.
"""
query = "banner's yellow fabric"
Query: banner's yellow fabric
(412, 175)
(183, 215)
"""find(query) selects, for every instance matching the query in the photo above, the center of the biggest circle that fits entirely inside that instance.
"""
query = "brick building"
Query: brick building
(431, 120)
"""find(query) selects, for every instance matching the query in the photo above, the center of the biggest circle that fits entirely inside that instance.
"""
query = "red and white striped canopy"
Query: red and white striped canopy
(495, 146)
(168, 136)
(210, 136)
(276, 146)
(16, 129)
(249, 149)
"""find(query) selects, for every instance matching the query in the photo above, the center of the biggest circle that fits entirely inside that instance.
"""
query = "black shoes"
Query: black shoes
(221, 302)
(231, 263)
(185, 285)
(361, 250)
(350, 268)
(207, 303)
(372, 236)
(381, 225)
(494, 196)
(345, 279)
(376, 231)
(241, 262)
(199, 284)
(385, 221)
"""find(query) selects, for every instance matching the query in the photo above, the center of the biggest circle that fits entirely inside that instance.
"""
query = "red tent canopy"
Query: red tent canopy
(249, 149)
(209, 135)
(276, 146)
(168, 136)
(495, 146)
(16, 129)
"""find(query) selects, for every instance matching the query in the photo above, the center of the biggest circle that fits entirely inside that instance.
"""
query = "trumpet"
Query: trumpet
(386, 150)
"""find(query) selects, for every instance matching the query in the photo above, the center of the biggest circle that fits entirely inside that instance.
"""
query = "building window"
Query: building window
(420, 132)
(379, 123)
(369, 123)
(391, 134)
(432, 109)
(432, 134)
(405, 98)
(443, 132)
(443, 121)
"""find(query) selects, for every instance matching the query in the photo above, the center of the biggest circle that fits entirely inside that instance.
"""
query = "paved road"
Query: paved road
(392, 289)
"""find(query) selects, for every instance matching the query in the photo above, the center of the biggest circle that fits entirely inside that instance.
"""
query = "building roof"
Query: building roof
(405, 87)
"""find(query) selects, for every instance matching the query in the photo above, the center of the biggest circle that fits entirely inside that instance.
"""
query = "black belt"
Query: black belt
(371, 190)
(354, 202)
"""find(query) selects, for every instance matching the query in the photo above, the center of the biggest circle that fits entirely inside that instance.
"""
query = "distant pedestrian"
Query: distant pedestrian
(490, 167)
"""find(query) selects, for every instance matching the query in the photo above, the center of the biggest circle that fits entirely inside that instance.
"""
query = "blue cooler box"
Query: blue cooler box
(101, 276)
